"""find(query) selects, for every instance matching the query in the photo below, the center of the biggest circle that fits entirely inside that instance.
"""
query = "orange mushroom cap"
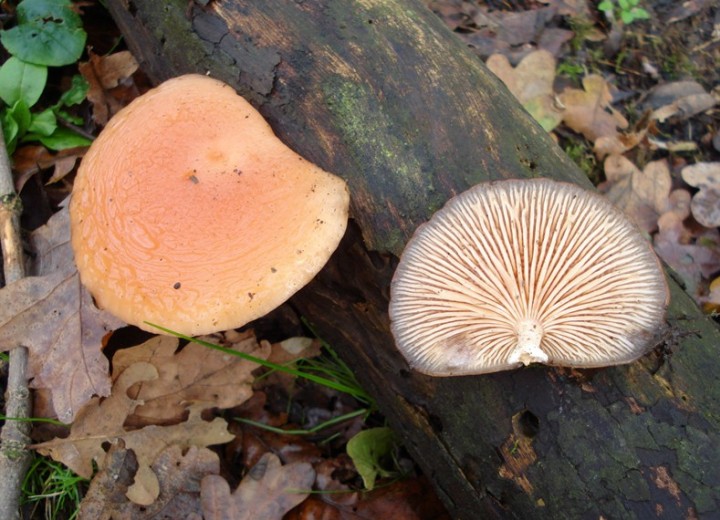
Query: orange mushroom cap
(188, 212)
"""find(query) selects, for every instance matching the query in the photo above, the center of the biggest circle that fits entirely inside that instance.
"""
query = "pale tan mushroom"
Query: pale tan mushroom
(188, 212)
(524, 271)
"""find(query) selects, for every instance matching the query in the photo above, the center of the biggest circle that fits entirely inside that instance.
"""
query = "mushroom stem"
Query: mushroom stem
(528, 346)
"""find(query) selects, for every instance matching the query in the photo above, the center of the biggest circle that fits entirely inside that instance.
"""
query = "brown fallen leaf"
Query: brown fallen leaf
(294, 348)
(104, 73)
(641, 194)
(711, 302)
(681, 99)
(267, 492)
(179, 473)
(409, 499)
(589, 111)
(107, 490)
(618, 143)
(102, 421)
(31, 159)
(706, 202)
(693, 257)
(196, 373)
(531, 82)
(54, 316)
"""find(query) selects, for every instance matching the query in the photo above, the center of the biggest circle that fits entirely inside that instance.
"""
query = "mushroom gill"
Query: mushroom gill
(522, 271)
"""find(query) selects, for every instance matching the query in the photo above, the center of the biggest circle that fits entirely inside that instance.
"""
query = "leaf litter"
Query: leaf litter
(640, 175)
(54, 316)
(103, 421)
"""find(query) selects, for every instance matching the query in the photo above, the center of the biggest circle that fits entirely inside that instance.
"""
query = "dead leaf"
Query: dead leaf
(294, 348)
(672, 146)
(641, 195)
(267, 492)
(102, 421)
(104, 73)
(683, 99)
(54, 316)
(113, 68)
(711, 302)
(589, 111)
(706, 202)
(685, 9)
(531, 82)
(409, 499)
(107, 490)
(31, 159)
(179, 474)
(513, 33)
(572, 8)
(195, 374)
(691, 257)
(618, 144)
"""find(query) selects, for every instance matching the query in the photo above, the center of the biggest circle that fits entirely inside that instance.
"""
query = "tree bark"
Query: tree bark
(382, 94)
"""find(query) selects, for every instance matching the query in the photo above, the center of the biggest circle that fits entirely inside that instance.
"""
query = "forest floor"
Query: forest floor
(633, 103)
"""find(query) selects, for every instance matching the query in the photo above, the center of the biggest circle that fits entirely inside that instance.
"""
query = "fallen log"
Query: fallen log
(382, 94)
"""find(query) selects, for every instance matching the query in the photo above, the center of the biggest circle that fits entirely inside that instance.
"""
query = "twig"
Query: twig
(15, 435)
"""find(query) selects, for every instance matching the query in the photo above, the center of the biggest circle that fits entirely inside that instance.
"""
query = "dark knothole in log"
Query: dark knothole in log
(528, 424)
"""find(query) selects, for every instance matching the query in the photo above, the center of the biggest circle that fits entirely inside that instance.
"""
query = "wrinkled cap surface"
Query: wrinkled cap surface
(521, 271)
(189, 212)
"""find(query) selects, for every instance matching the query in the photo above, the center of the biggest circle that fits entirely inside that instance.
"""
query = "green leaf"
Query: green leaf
(66, 116)
(43, 123)
(368, 450)
(49, 33)
(50, 11)
(20, 112)
(60, 139)
(76, 93)
(606, 6)
(10, 131)
(21, 80)
(640, 14)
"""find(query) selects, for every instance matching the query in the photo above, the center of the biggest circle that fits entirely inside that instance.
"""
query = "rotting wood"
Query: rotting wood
(383, 94)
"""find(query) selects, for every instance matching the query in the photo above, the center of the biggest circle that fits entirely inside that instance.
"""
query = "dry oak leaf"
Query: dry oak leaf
(589, 111)
(108, 487)
(267, 492)
(104, 73)
(195, 374)
(641, 194)
(102, 421)
(691, 257)
(179, 473)
(705, 205)
(531, 82)
(55, 317)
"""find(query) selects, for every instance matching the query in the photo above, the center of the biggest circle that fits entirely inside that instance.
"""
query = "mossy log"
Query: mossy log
(382, 94)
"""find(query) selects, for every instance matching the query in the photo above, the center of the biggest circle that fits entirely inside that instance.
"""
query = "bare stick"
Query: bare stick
(15, 435)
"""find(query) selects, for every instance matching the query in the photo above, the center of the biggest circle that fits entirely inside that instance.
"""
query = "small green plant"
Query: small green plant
(627, 10)
(48, 33)
(571, 70)
(584, 157)
(54, 490)
(373, 454)
(582, 27)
